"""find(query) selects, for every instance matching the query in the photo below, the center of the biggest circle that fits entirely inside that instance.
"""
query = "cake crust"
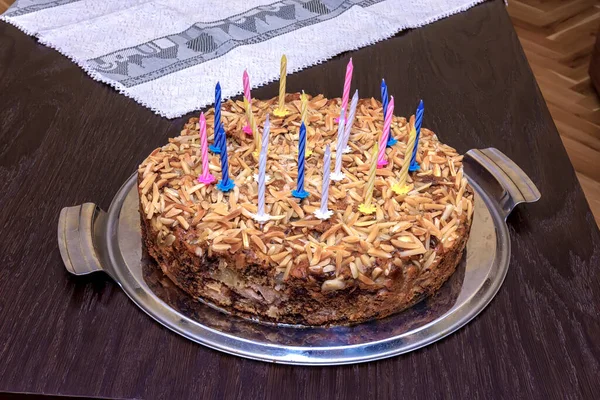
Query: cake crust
(296, 268)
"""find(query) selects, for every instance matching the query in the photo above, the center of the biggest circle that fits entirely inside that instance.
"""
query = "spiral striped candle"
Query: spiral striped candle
(246, 82)
(250, 117)
(304, 107)
(215, 147)
(366, 207)
(256, 137)
(337, 174)
(323, 212)
(261, 216)
(384, 97)
(300, 193)
(217, 121)
(406, 163)
(281, 111)
(347, 84)
(221, 136)
(225, 184)
(247, 102)
(414, 165)
(385, 100)
(381, 161)
(350, 122)
(206, 176)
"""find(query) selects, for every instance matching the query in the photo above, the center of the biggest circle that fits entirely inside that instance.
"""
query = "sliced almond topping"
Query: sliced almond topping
(438, 195)
(279, 257)
(373, 234)
(379, 253)
(259, 243)
(173, 212)
(364, 279)
(376, 272)
(333, 285)
(220, 247)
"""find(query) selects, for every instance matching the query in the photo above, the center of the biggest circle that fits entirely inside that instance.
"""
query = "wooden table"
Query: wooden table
(65, 140)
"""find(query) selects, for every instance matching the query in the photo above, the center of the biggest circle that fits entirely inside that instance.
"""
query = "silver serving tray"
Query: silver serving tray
(92, 240)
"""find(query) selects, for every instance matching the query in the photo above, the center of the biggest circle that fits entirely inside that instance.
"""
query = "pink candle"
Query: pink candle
(246, 80)
(381, 161)
(247, 96)
(205, 177)
(347, 84)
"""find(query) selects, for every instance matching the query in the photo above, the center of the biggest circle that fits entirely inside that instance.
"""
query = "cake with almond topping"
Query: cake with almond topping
(296, 268)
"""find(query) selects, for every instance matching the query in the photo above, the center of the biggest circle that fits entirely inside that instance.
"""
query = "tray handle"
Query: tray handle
(78, 230)
(499, 176)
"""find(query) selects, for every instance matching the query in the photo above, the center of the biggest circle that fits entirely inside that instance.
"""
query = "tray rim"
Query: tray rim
(213, 343)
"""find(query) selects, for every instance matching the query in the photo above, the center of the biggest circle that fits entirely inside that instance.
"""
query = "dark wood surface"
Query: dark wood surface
(65, 140)
(595, 64)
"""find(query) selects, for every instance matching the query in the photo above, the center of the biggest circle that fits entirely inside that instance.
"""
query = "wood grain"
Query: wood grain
(4, 4)
(66, 139)
(558, 37)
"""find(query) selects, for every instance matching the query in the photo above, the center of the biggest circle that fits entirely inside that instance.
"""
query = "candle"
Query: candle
(256, 138)
(323, 212)
(304, 107)
(300, 193)
(303, 114)
(250, 117)
(261, 216)
(215, 147)
(247, 103)
(384, 100)
(381, 161)
(366, 207)
(384, 97)
(281, 111)
(401, 187)
(414, 165)
(217, 121)
(347, 84)
(338, 175)
(246, 82)
(206, 176)
(350, 122)
(225, 184)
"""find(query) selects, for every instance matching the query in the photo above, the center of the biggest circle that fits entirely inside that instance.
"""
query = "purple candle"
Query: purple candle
(323, 212)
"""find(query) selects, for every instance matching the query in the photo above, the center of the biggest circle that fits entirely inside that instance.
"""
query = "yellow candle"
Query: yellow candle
(280, 111)
(248, 108)
(256, 151)
(401, 187)
(304, 108)
(366, 207)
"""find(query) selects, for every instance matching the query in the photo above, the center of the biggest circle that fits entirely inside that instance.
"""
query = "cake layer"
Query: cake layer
(296, 268)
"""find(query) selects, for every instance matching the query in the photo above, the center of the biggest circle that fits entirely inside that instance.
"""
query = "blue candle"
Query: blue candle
(216, 147)
(385, 100)
(384, 97)
(414, 165)
(225, 184)
(218, 137)
(300, 193)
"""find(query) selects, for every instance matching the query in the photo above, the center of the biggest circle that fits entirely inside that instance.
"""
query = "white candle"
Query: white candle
(338, 175)
(261, 216)
(350, 122)
(323, 212)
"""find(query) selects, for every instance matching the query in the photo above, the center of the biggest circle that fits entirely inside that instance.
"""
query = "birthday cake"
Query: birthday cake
(382, 240)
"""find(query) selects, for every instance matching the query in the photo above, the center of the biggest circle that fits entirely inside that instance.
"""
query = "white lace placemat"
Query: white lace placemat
(169, 54)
